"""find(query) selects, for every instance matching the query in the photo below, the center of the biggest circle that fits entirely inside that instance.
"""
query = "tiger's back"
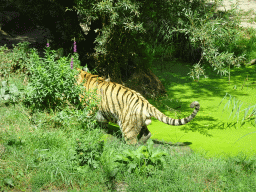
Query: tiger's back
(128, 108)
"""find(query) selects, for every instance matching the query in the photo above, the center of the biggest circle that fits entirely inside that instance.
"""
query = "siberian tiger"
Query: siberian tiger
(128, 108)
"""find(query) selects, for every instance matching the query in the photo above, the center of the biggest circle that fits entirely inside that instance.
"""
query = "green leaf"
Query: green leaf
(4, 83)
(139, 156)
(158, 154)
(142, 148)
(13, 89)
(113, 172)
(130, 153)
(122, 158)
(132, 166)
(150, 146)
(9, 182)
(2, 91)
(6, 97)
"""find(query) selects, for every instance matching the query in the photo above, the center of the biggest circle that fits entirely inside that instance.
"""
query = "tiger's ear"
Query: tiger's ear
(107, 80)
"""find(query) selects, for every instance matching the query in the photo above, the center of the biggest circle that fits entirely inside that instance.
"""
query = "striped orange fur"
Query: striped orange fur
(128, 108)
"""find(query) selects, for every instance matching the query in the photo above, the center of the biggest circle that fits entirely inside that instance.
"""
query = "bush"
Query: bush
(88, 150)
(15, 60)
(144, 160)
(52, 87)
(52, 84)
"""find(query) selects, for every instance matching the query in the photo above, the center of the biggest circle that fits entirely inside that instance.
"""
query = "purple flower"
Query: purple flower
(71, 63)
(48, 44)
(74, 47)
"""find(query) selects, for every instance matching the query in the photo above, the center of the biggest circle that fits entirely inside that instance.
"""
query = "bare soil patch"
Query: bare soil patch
(244, 6)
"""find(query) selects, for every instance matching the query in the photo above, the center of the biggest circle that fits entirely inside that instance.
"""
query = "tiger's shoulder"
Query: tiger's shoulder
(84, 75)
(91, 79)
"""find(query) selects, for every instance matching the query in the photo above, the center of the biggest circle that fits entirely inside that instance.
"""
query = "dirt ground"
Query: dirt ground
(244, 5)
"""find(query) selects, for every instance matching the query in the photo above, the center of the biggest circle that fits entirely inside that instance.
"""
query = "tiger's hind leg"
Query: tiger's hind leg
(144, 135)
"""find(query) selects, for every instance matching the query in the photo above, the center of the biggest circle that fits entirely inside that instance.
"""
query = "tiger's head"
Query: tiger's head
(81, 76)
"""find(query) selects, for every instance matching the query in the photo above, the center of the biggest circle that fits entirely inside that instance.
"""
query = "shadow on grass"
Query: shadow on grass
(180, 148)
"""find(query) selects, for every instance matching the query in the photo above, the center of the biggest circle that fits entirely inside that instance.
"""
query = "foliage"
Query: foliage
(15, 61)
(214, 36)
(10, 92)
(121, 30)
(144, 159)
(141, 31)
(75, 118)
(236, 108)
(5, 64)
(224, 43)
(130, 35)
(20, 56)
(52, 82)
(107, 160)
(135, 29)
(88, 151)
(167, 24)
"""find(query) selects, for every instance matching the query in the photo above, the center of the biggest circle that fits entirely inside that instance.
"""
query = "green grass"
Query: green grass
(38, 157)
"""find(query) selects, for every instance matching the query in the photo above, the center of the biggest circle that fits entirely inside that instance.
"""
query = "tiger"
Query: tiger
(127, 108)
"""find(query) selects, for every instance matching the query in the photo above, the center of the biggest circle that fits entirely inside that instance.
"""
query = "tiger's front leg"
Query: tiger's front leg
(130, 132)
(132, 135)
(101, 120)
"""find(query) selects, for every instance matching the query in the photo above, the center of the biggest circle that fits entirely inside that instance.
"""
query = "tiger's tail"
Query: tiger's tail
(170, 121)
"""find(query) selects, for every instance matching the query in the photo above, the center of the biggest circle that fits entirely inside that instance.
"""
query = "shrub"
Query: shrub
(144, 159)
(89, 150)
(15, 60)
(52, 84)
